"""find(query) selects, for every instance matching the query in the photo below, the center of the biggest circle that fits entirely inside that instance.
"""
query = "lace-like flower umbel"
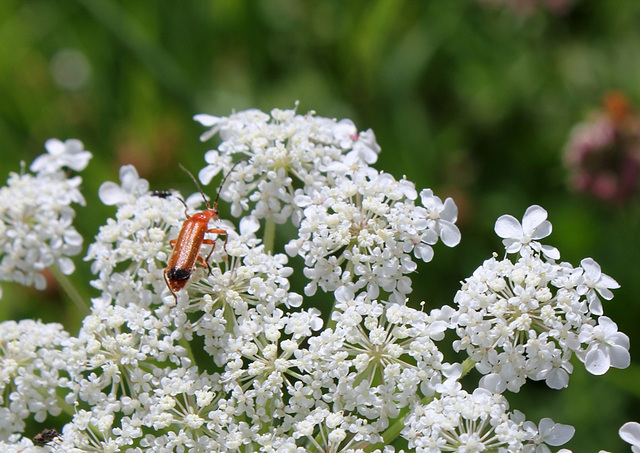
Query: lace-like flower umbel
(130, 252)
(478, 421)
(285, 149)
(237, 362)
(31, 370)
(362, 232)
(525, 319)
(378, 359)
(36, 217)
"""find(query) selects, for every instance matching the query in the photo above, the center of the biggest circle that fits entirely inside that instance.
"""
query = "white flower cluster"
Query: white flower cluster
(32, 367)
(525, 319)
(281, 150)
(361, 232)
(130, 251)
(378, 359)
(236, 362)
(36, 230)
(358, 227)
(478, 421)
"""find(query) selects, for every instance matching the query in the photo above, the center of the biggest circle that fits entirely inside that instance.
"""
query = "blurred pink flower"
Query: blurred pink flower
(603, 154)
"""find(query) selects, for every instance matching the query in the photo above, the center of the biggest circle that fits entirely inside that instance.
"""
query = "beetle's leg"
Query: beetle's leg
(213, 243)
(205, 262)
(220, 231)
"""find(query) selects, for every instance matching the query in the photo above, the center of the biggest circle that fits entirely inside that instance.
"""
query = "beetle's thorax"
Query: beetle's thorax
(205, 216)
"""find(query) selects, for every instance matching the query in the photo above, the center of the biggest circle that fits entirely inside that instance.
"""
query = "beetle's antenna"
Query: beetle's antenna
(186, 208)
(197, 185)
(225, 179)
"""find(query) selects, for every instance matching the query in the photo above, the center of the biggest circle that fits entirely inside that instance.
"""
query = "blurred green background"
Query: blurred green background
(473, 101)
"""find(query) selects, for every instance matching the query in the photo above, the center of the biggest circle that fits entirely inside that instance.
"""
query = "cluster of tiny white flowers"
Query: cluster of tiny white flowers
(242, 278)
(361, 232)
(280, 147)
(377, 359)
(236, 362)
(236, 307)
(131, 251)
(335, 431)
(36, 217)
(167, 411)
(478, 421)
(31, 369)
(525, 319)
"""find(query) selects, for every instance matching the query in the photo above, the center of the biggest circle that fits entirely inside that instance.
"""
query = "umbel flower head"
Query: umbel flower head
(363, 231)
(526, 318)
(239, 361)
(481, 423)
(36, 216)
(282, 149)
(31, 372)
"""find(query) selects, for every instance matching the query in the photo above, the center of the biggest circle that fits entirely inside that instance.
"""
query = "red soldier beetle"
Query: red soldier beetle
(186, 248)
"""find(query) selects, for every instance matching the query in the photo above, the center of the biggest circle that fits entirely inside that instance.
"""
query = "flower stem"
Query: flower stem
(467, 365)
(72, 293)
(396, 426)
(185, 344)
(269, 238)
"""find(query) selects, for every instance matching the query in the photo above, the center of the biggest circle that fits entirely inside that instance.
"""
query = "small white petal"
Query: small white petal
(512, 245)
(450, 234)
(608, 282)
(66, 265)
(630, 433)
(591, 268)
(595, 305)
(206, 120)
(543, 230)
(508, 226)
(450, 210)
(555, 434)
(493, 382)
(550, 252)
(207, 173)
(424, 252)
(557, 379)
(619, 357)
(533, 218)
(111, 194)
(249, 225)
(131, 182)
(54, 146)
(597, 361)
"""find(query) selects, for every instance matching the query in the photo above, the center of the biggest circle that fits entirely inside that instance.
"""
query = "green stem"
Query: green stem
(185, 344)
(68, 409)
(269, 238)
(467, 366)
(393, 431)
(72, 293)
